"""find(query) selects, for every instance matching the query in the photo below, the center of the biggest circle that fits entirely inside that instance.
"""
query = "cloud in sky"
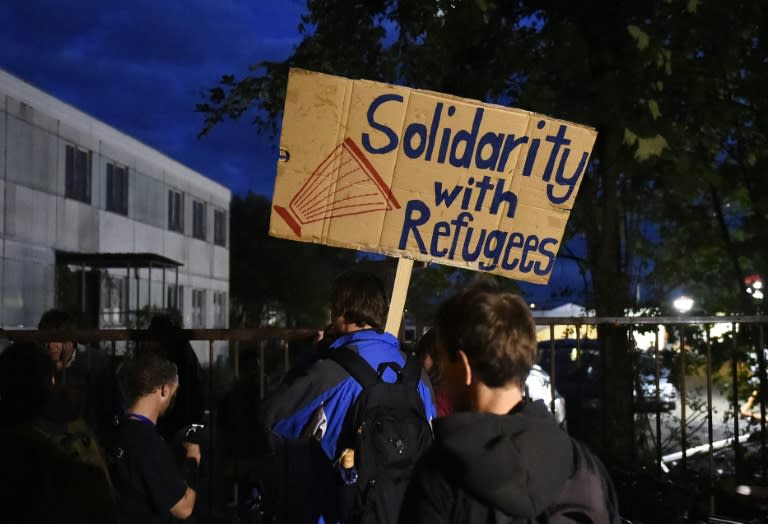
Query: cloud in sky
(141, 67)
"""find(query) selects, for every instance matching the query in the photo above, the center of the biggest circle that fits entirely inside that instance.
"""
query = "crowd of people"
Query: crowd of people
(83, 443)
(360, 432)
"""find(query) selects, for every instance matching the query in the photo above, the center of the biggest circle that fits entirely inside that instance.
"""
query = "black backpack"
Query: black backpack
(388, 430)
(588, 496)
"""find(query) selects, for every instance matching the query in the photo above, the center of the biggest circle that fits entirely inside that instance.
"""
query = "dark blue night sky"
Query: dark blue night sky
(142, 65)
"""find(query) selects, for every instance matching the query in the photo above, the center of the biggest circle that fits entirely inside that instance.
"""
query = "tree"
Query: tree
(667, 99)
(268, 272)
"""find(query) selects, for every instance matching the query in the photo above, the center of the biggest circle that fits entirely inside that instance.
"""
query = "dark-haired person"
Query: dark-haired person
(425, 350)
(84, 374)
(166, 340)
(315, 404)
(149, 486)
(52, 469)
(499, 458)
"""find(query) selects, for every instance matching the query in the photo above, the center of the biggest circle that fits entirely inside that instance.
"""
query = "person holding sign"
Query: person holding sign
(499, 458)
(318, 423)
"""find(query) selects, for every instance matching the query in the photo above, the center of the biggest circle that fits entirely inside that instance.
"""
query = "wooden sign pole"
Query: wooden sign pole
(399, 292)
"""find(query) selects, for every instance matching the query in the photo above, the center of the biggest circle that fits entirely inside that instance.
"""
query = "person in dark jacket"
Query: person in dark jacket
(311, 409)
(165, 339)
(498, 459)
(84, 374)
(52, 469)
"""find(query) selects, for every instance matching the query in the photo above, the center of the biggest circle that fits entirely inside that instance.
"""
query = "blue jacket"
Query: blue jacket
(326, 384)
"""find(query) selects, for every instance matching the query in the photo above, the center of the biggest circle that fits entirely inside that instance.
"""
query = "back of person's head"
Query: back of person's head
(163, 324)
(425, 352)
(426, 345)
(494, 329)
(143, 374)
(26, 374)
(55, 319)
(360, 298)
(164, 336)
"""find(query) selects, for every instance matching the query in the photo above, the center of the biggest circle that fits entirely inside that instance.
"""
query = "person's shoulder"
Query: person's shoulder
(591, 484)
(96, 353)
(91, 359)
(433, 487)
(131, 432)
(322, 370)
(436, 463)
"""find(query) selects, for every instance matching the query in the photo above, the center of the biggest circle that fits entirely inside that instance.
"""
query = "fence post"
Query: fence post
(736, 414)
(683, 426)
(761, 368)
(261, 369)
(709, 425)
(212, 446)
(658, 397)
(552, 379)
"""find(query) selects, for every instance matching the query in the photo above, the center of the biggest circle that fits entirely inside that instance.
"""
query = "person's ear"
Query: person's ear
(164, 390)
(467, 367)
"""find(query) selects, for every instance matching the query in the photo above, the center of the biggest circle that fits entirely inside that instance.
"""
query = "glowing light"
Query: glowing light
(683, 304)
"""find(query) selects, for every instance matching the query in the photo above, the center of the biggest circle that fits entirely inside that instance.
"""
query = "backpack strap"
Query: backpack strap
(357, 367)
(412, 370)
(361, 371)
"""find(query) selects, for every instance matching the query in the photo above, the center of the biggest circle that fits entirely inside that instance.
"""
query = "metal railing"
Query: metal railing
(695, 342)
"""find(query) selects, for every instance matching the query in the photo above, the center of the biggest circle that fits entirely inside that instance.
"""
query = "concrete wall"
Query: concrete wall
(37, 219)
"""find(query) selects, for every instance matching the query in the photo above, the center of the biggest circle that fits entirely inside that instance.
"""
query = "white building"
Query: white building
(94, 220)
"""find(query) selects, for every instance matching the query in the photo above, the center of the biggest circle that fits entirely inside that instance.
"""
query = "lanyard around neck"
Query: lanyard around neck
(140, 418)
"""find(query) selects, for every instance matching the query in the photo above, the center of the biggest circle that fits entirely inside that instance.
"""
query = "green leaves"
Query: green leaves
(641, 37)
(678, 108)
(645, 148)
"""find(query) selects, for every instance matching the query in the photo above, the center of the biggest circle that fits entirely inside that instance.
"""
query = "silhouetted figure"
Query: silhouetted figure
(425, 351)
(498, 457)
(150, 486)
(52, 470)
(166, 340)
(308, 419)
(84, 374)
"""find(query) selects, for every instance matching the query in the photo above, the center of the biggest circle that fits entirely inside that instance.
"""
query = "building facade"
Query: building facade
(97, 222)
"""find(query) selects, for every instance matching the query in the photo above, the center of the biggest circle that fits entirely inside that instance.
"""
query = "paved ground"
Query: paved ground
(696, 416)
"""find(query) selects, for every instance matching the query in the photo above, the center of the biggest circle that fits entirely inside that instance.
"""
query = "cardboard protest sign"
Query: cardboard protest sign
(413, 173)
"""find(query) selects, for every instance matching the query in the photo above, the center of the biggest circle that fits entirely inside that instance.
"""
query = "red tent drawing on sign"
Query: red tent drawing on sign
(344, 184)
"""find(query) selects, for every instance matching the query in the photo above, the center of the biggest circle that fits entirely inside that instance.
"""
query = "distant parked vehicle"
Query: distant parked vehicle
(578, 377)
(646, 372)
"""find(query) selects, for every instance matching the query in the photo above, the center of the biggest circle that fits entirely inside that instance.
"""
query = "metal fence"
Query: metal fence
(739, 338)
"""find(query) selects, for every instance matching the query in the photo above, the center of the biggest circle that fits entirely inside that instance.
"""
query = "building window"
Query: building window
(78, 174)
(198, 308)
(198, 220)
(219, 227)
(175, 298)
(117, 189)
(114, 299)
(175, 211)
(219, 310)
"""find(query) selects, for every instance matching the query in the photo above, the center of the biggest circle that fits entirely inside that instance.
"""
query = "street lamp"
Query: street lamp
(683, 304)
